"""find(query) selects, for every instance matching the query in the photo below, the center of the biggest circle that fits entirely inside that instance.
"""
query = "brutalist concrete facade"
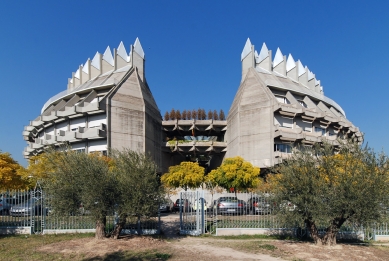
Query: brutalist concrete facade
(279, 105)
(108, 104)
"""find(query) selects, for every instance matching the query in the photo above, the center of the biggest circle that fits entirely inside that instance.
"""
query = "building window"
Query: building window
(322, 131)
(286, 148)
(282, 99)
(302, 103)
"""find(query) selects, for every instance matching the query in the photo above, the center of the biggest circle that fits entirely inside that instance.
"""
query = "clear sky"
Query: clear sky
(193, 52)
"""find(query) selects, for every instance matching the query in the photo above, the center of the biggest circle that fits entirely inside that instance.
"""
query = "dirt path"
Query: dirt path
(192, 248)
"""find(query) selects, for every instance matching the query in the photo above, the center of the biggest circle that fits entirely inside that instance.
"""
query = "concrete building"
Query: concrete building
(280, 105)
(108, 104)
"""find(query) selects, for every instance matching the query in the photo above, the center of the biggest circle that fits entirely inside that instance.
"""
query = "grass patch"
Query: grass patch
(267, 247)
(260, 236)
(25, 247)
(131, 256)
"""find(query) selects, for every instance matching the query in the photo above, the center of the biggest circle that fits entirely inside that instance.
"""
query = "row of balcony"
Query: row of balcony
(288, 134)
(193, 146)
(188, 125)
(310, 114)
(63, 136)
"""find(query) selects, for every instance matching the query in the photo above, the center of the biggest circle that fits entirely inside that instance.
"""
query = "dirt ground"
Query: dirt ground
(217, 249)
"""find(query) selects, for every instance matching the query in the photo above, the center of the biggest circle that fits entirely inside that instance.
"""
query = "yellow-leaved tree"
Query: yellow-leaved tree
(10, 177)
(235, 173)
(38, 169)
(186, 175)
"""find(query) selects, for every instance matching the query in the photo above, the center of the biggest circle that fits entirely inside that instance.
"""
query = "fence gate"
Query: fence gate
(192, 213)
(38, 211)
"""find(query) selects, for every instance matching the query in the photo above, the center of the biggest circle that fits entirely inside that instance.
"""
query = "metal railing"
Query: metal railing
(31, 212)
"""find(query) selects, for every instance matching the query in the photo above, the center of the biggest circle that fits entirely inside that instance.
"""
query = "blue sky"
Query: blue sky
(193, 52)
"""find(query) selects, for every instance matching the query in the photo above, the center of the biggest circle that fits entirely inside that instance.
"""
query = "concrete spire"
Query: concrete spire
(107, 56)
(263, 54)
(246, 49)
(278, 58)
(138, 48)
(96, 61)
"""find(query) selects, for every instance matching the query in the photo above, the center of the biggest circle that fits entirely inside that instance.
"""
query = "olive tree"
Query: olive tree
(330, 186)
(76, 179)
(138, 190)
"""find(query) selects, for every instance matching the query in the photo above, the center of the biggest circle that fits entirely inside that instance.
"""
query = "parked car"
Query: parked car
(166, 205)
(32, 206)
(199, 203)
(288, 205)
(183, 204)
(230, 205)
(258, 205)
(6, 204)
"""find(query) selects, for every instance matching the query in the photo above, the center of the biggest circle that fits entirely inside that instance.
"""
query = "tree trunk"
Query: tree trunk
(314, 232)
(329, 238)
(119, 226)
(100, 228)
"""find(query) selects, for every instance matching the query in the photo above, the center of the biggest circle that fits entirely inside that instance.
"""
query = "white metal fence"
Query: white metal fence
(31, 212)
(251, 213)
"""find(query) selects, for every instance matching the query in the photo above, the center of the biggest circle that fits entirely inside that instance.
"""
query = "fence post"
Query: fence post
(202, 213)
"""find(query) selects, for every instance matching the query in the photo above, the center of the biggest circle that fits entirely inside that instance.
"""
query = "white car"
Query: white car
(197, 204)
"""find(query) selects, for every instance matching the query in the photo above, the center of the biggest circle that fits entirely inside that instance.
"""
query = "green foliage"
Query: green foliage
(138, 189)
(186, 175)
(329, 189)
(126, 183)
(80, 179)
(235, 173)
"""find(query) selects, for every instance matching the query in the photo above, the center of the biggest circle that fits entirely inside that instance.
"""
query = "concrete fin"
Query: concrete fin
(310, 75)
(317, 82)
(278, 58)
(107, 56)
(301, 68)
(85, 68)
(96, 61)
(122, 51)
(138, 48)
(263, 54)
(129, 55)
(77, 74)
(290, 63)
(246, 49)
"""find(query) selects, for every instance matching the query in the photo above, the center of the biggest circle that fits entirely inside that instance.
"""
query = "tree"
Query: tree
(222, 117)
(189, 115)
(184, 115)
(10, 173)
(215, 116)
(235, 173)
(178, 115)
(210, 115)
(79, 178)
(194, 114)
(172, 114)
(329, 189)
(186, 175)
(167, 116)
(138, 190)
(203, 114)
(38, 169)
